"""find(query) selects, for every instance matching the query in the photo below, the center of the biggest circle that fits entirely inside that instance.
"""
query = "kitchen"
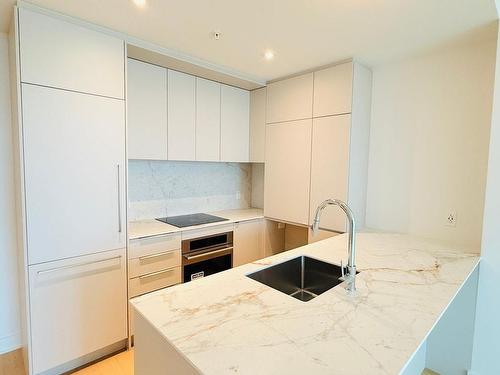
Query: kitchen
(169, 242)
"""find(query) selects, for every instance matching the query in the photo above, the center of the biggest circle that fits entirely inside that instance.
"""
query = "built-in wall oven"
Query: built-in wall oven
(203, 256)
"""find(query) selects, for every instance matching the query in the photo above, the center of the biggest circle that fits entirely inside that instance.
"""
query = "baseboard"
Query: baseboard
(10, 342)
(88, 359)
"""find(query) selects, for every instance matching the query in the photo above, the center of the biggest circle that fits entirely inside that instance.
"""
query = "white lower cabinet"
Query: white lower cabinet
(155, 280)
(248, 242)
(78, 306)
(153, 263)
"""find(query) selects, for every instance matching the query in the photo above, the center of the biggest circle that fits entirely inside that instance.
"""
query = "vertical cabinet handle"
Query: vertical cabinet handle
(119, 199)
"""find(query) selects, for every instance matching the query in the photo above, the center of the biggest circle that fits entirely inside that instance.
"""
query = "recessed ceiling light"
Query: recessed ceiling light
(269, 55)
(140, 3)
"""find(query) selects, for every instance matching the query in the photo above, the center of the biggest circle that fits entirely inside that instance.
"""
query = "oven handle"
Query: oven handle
(209, 254)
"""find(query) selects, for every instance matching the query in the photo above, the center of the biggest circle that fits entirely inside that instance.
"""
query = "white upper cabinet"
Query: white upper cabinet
(235, 123)
(61, 54)
(290, 99)
(207, 120)
(181, 116)
(330, 167)
(74, 167)
(257, 125)
(147, 111)
(338, 151)
(333, 90)
(288, 171)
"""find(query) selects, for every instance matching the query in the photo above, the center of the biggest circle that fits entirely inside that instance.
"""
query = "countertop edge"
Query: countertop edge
(424, 339)
(195, 227)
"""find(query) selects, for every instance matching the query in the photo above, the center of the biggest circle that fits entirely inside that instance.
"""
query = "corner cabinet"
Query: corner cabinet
(70, 161)
(323, 156)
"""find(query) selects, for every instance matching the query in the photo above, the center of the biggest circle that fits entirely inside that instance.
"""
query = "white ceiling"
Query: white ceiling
(303, 33)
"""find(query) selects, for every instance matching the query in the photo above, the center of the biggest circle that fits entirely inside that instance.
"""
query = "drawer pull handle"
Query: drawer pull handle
(155, 274)
(76, 265)
(119, 199)
(209, 254)
(155, 255)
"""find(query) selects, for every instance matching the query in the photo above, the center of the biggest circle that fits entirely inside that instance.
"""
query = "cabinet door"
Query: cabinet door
(257, 125)
(147, 111)
(207, 120)
(330, 167)
(78, 306)
(61, 54)
(290, 99)
(248, 242)
(333, 90)
(181, 116)
(74, 161)
(235, 124)
(288, 163)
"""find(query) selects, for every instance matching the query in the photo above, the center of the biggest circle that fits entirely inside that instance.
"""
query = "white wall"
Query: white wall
(486, 355)
(9, 313)
(429, 142)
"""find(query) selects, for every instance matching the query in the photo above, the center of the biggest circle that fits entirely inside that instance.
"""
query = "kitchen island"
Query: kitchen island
(228, 323)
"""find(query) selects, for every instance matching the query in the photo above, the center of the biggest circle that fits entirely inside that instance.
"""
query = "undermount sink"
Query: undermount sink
(303, 277)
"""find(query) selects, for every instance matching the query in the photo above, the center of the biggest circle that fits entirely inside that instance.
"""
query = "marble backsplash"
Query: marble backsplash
(168, 188)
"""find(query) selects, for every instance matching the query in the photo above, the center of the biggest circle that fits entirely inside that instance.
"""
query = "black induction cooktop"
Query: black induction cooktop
(190, 220)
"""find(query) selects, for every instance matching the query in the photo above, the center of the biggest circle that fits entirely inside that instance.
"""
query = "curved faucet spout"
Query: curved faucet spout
(351, 262)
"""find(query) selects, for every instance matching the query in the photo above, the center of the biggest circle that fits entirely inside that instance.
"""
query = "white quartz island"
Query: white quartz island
(230, 324)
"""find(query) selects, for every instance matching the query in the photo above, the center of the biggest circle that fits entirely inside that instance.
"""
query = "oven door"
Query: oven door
(198, 265)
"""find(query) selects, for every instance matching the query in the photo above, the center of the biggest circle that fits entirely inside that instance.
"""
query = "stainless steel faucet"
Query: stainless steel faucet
(350, 279)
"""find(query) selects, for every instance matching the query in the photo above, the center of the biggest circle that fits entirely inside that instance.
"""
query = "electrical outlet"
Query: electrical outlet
(451, 219)
(238, 195)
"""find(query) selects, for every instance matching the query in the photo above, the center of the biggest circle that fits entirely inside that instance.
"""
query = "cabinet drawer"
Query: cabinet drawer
(153, 245)
(153, 281)
(155, 262)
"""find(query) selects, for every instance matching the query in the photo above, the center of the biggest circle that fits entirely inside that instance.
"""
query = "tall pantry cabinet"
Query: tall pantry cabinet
(69, 102)
(317, 144)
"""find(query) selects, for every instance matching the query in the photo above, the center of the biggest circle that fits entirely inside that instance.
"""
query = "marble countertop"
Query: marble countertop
(152, 227)
(228, 323)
